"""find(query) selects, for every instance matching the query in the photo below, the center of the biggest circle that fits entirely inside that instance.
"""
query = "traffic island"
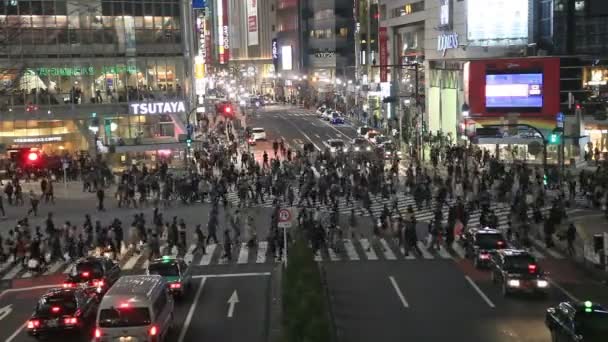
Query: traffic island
(306, 315)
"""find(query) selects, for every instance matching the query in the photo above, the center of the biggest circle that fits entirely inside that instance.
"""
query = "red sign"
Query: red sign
(475, 79)
(383, 47)
(252, 23)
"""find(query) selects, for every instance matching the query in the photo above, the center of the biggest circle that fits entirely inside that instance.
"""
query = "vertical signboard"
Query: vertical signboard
(286, 57)
(275, 54)
(223, 31)
(201, 58)
(252, 22)
(226, 31)
(383, 47)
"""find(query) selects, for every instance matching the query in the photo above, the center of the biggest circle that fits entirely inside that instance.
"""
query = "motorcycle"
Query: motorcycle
(36, 267)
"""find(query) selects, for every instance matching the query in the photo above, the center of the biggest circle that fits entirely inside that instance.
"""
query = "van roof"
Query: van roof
(131, 287)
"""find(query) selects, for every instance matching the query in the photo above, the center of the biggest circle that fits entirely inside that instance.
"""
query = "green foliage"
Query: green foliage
(304, 299)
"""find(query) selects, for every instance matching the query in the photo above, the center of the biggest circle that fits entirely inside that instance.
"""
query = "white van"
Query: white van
(136, 308)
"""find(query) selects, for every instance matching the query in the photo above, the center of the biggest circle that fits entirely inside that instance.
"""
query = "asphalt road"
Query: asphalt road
(204, 314)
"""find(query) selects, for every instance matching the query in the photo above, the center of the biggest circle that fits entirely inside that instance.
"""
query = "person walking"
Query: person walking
(100, 197)
(34, 201)
(200, 240)
(570, 237)
(227, 245)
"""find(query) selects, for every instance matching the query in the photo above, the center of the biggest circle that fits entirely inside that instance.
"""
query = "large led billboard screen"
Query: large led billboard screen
(497, 22)
(514, 92)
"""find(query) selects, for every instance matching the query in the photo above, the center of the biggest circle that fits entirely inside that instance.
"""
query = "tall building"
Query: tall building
(76, 72)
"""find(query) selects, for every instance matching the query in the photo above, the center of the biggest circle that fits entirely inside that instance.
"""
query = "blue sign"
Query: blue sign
(189, 129)
(560, 117)
(199, 4)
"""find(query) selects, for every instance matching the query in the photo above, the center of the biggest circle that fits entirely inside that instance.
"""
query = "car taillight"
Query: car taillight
(32, 324)
(484, 256)
(500, 243)
(70, 321)
(85, 274)
(68, 285)
(153, 331)
(532, 268)
(98, 283)
(55, 309)
(97, 333)
(176, 286)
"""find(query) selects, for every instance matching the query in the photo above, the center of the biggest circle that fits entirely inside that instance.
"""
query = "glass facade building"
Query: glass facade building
(64, 62)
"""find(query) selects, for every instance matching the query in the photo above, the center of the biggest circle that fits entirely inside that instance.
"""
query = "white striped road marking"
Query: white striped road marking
(5, 266)
(132, 261)
(481, 294)
(551, 252)
(318, 256)
(536, 253)
(399, 293)
(425, 253)
(367, 248)
(332, 254)
(68, 269)
(54, 268)
(388, 252)
(459, 250)
(182, 333)
(206, 259)
(243, 254)
(262, 250)
(27, 274)
(146, 264)
(409, 256)
(350, 250)
(13, 272)
(443, 253)
(190, 254)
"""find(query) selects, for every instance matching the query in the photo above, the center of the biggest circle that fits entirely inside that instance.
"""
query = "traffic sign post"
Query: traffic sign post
(559, 119)
(285, 218)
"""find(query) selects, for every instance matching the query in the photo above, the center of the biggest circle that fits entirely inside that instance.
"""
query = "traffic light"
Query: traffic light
(189, 142)
(545, 180)
(227, 109)
(554, 139)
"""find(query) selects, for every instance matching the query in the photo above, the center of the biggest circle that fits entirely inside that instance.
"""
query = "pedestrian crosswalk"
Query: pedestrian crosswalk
(362, 249)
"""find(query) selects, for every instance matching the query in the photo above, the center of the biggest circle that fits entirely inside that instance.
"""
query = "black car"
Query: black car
(517, 271)
(480, 243)
(98, 273)
(63, 310)
(580, 322)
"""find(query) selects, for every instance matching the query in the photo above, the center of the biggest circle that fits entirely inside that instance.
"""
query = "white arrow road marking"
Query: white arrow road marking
(231, 303)
(5, 311)
(399, 293)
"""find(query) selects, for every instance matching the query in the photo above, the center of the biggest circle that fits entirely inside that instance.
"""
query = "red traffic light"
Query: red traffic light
(32, 156)
(227, 109)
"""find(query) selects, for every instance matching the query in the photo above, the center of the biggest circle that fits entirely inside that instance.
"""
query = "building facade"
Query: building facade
(74, 72)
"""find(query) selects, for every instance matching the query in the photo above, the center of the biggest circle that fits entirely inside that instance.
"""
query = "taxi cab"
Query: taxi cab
(175, 271)
(577, 321)
(479, 244)
(516, 270)
(92, 272)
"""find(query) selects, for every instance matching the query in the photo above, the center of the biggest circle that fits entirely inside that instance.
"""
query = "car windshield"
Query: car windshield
(87, 270)
(336, 143)
(164, 269)
(56, 306)
(489, 241)
(258, 130)
(593, 326)
(124, 317)
(518, 263)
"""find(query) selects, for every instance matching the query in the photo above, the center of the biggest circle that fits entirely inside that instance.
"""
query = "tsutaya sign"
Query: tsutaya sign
(157, 107)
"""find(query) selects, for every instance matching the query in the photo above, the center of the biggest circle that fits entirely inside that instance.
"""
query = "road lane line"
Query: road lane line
(399, 293)
(424, 251)
(206, 259)
(262, 250)
(190, 254)
(443, 253)
(367, 248)
(566, 292)
(304, 134)
(40, 287)
(230, 275)
(184, 330)
(459, 250)
(68, 269)
(243, 254)
(131, 262)
(388, 252)
(17, 332)
(481, 294)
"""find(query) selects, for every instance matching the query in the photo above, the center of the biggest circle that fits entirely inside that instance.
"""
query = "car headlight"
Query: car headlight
(357, 149)
(542, 283)
(513, 283)
(332, 149)
(369, 148)
(345, 149)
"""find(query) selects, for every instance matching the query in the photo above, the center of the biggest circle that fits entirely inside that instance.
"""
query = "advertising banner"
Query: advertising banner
(383, 47)
(199, 4)
(223, 31)
(275, 54)
(497, 22)
(286, 57)
(226, 31)
(252, 22)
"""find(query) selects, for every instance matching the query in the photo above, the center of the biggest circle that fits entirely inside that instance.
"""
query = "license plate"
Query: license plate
(52, 323)
(127, 339)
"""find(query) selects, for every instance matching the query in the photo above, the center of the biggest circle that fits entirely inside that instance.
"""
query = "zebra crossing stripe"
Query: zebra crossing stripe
(189, 254)
(424, 251)
(388, 252)
(132, 261)
(243, 254)
(54, 268)
(5, 266)
(68, 269)
(332, 254)
(443, 253)
(459, 250)
(350, 250)
(536, 253)
(262, 250)
(318, 256)
(367, 248)
(206, 259)
(551, 252)
(27, 274)
(13, 272)
(409, 256)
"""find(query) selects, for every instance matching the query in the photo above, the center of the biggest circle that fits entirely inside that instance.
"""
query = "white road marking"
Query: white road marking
(399, 293)
(131, 262)
(536, 253)
(206, 259)
(443, 253)
(350, 250)
(31, 288)
(388, 252)
(13, 272)
(551, 252)
(54, 268)
(318, 256)
(262, 250)
(566, 292)
(332, 254)
(68, 269)
(481, 294)
(27, 274)
(459, 250)
(17, 332)
(231, 275)
(424, 251)
(409, 256)
(243, 254)
(190, 253)
(184, 330)
(5, 266)
(367, 248)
